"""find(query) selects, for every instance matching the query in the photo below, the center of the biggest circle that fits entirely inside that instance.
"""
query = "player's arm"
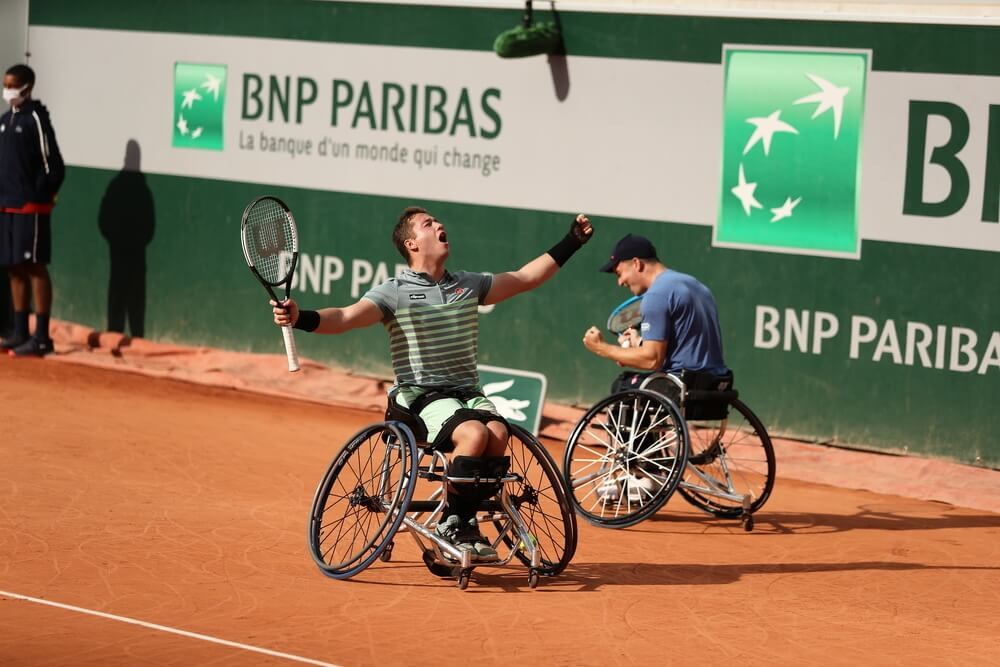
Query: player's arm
(364, 313)
(648, 356)
(543, 267)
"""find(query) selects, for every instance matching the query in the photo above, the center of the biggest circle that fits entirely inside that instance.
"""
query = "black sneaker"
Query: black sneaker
(33, 347)
(12, 342)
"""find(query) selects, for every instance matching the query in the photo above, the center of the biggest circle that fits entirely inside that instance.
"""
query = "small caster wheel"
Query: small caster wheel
(386, 555)
(533, 578)
(747, 522)
(463, 579)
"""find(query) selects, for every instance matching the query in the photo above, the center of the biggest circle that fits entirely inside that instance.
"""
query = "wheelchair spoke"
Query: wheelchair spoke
(612, 435)
(619, 484)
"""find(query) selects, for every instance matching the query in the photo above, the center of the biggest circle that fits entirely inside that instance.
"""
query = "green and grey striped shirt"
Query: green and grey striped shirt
(433, 326)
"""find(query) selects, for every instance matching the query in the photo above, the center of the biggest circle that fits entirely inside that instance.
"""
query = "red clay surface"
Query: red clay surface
(185, 505)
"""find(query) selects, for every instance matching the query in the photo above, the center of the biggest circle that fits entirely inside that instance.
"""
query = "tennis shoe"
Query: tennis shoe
(12, 342)
(609, 491)
(641, 489)
(465, 536)
(33, 347)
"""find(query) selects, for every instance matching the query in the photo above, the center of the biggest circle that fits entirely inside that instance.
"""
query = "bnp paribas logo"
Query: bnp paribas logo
(791, 150)
(199, 105)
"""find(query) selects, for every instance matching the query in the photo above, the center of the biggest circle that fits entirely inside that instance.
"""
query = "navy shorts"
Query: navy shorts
(25, 238)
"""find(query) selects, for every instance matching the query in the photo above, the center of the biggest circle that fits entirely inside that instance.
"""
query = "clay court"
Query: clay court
(146, 520)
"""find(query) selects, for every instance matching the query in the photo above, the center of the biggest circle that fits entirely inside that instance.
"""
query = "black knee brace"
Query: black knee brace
(466, 496)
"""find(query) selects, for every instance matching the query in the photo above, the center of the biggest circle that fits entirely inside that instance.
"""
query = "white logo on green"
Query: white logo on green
(199, 105)
(518, 396)
(791, 150)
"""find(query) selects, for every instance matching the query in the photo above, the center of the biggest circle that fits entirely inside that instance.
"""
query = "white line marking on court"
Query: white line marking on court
(164, 628)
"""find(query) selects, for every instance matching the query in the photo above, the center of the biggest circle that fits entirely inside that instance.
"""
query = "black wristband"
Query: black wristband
(563, 250)
(308, 320)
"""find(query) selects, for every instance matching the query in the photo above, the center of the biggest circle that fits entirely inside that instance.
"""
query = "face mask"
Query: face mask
(12, 96)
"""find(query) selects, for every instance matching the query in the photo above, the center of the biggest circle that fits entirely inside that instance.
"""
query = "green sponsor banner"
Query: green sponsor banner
(199, 106)
(898, 349)
(875, 353)
(791, 150)
(518, 395)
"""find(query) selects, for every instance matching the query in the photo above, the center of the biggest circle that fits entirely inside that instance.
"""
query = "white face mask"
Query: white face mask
(12, 96)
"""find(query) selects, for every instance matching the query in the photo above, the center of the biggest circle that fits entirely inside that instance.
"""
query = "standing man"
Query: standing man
(31, 171)
(680, 320)
(431, 316)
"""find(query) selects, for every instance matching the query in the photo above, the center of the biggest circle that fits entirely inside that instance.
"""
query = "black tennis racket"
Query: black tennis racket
(271, 248)
(625, 316)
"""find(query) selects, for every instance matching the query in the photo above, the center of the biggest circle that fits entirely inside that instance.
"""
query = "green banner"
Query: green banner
(199, 106)
(791, 150)
(518, 395)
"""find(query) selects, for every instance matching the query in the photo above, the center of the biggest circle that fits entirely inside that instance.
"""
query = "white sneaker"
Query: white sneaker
(641, 489)
(609, 490)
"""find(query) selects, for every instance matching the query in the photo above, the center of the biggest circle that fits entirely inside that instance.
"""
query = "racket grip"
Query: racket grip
(290, 351)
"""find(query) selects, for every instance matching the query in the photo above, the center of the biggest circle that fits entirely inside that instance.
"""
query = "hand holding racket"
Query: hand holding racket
(271, 248)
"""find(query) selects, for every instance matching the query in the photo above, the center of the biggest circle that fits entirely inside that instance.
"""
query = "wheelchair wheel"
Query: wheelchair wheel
(728, 461)
(625, 458)
(540, 499)
(362, 499)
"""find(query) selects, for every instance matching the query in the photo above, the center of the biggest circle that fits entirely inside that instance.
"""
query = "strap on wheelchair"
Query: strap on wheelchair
(475, 479)
(396, 412)
(410, 415)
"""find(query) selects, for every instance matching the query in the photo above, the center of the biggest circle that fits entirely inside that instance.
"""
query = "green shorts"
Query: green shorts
(436, 413)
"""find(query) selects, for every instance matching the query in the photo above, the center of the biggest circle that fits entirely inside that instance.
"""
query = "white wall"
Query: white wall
(913, 11)
(13, 32)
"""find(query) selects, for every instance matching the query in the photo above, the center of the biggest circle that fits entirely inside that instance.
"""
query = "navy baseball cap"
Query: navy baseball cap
(628, 247)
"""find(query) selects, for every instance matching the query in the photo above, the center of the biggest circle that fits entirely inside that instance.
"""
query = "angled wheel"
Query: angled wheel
(730, 464)
(625, 458)
(542, 502)
(362, 499)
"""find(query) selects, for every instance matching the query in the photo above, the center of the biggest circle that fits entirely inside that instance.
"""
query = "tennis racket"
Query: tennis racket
(271, 248)
(625, 316)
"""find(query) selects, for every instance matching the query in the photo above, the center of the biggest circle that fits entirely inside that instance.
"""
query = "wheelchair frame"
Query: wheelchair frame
(384, 486)
(706, 480)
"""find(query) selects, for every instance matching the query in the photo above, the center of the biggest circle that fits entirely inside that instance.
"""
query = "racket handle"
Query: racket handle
(290, 351)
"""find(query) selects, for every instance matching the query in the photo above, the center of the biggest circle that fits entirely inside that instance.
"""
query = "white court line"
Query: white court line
(164, 628)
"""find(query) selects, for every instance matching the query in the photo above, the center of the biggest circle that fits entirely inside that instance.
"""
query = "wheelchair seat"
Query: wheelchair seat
(698, 394)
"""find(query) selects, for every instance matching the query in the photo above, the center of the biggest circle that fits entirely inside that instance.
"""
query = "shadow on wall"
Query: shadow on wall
(127, 221)
(558, 67)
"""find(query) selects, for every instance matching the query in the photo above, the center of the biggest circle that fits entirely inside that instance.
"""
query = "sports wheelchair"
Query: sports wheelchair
(688, 432)
(366, 499)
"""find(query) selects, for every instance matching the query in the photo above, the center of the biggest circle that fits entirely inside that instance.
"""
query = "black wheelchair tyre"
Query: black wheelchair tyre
(642, 437)
(542, 502)
(749, 463)
(371, 476)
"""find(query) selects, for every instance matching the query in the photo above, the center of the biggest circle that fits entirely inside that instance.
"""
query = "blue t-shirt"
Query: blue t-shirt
(681, 311)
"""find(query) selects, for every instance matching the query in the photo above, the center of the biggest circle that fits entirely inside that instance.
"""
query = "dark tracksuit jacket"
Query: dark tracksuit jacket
(31, 167)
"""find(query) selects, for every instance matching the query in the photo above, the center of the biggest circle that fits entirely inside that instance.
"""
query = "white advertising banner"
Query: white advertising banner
(613, 137)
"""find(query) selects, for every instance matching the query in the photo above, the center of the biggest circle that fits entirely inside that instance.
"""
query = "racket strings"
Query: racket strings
(270, 240)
